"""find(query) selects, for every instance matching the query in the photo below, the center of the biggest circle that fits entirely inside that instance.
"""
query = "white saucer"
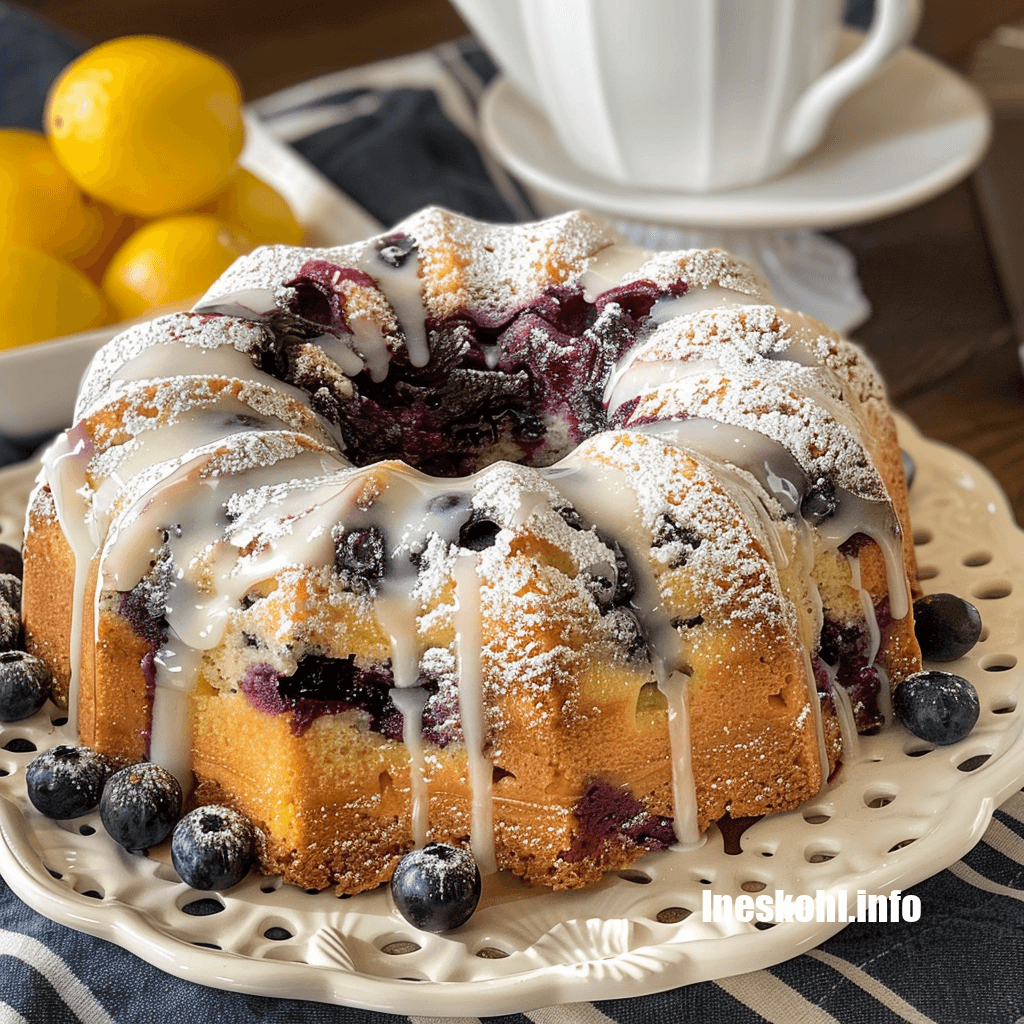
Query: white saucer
(914, 130)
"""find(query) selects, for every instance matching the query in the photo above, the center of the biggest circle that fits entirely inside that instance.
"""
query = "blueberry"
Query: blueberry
(10, 561)
(909, 467)
(628, 634)
(478, 534)
(937, 706)
(360, 557)
(10, 627)
(946, 626)
(66, 782)
(600, 586)
(396, 249)
(436, 888)
(571, 517)
(24, 685)
(140, 805)
(625, 582)
(213, 847)
(820, 501)
(670, 531)
(10, 590)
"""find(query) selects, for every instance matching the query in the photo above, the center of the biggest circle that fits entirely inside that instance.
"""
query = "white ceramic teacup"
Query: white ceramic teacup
(686, 95)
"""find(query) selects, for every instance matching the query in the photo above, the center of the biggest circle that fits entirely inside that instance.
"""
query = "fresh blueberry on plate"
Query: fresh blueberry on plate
(213, 847)
(909, 467)
(24, 685)
(10, 590)
(946, 626)
(936, 706)
(66, 782)
(140, 805)
(10, 627)
(436, 888)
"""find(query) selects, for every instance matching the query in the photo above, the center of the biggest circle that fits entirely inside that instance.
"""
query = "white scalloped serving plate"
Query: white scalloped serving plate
(896, 814)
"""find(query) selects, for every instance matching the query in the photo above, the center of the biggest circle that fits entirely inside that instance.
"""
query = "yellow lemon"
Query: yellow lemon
(40, 204)
(259, 211)
(109, 231)
(146, 124)
(169, 261)
(41, 297)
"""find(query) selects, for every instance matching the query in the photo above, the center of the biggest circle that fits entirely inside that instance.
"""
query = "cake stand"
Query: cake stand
(898, 811)
(910, 133)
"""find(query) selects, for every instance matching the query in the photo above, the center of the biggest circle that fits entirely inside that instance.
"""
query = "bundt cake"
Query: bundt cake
(518, 538)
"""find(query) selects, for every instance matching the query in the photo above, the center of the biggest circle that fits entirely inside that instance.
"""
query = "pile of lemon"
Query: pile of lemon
(134, 199)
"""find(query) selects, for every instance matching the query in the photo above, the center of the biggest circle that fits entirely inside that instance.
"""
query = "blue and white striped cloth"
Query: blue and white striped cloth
(395, 137)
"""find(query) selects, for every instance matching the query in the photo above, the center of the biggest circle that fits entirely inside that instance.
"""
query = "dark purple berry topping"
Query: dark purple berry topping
(478, 534)
(436, 888)
(613, 817)
(936, 706)
(317, 298)
(820, 501)
(259, 684)
(140, 805)
(25, 682)
(360, 558)
(66, 782)
(396, 249)
(213, 847)
(946, 626)
(846, 648)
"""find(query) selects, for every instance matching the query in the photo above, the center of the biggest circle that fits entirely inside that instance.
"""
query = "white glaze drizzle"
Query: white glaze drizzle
(468, 644)
(64, 463)
(684, 788)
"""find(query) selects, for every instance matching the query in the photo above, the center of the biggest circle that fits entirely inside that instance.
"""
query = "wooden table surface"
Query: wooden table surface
(940, 330)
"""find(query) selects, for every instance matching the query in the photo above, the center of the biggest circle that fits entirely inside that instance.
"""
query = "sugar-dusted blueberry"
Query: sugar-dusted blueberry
(10, 627)
(213, 847)
(10, 590)
(937, 706)
(396, 249)
(909, 467)
(10, 561)
(820, 501)
(946, 626)
(436, 888)
(25, 682)
(478, 534)
(360, 556)
(140, 805)
(600, 585)
(571, 517)
(670, 533)
(625, 582)
(66, 782)
(628, 634)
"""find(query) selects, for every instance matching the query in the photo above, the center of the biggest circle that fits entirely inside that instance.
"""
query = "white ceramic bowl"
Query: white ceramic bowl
(39, 383)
